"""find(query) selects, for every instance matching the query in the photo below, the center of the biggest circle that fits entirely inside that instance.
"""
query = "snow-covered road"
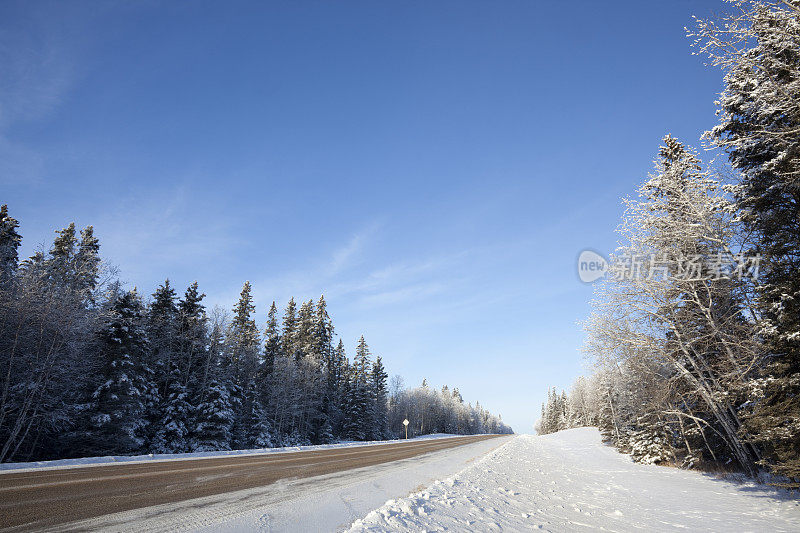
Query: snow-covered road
(570, 481)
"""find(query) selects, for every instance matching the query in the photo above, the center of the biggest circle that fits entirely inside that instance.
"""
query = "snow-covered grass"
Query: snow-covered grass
(570, 481)
(124, 459)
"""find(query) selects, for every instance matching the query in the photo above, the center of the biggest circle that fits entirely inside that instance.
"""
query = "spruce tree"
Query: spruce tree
(289, 335)
(192, 343)
(380, 391)
(118, 405)
(272, 340)
(87, 263)
(242, 363)
(305, 331)
(214, 418)
(341, 369)
(60, 261)
(172, 430)
(10, 241)
(162, 331)
(362, 405)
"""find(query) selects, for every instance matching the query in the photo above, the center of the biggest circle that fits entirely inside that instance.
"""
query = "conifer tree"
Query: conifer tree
(272, 340)
(162, 331)
(380, 391)
(289, 335)
(242, 363)
(172, 431)
(62, 253)
(361, 405)
(214, 416)
(10, 241)
(192, 335)
(87, 263)
(341, 369)
(305, 342)
(118, 419)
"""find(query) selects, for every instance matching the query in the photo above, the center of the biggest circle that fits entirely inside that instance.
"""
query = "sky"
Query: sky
(433, 168)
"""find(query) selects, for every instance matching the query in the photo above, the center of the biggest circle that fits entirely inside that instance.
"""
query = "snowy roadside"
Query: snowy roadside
(124, 459)
(570, 481)
(322, 503)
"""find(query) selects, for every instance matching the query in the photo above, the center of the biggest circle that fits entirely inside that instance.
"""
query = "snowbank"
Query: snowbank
(570, 481)
(123, 459)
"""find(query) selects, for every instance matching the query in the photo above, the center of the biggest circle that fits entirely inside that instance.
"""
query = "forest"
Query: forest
(88, 367)
(695, 330)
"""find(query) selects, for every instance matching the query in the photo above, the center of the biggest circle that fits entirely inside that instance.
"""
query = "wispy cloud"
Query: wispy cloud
(349, 253)
(165, 231)
(38, 68)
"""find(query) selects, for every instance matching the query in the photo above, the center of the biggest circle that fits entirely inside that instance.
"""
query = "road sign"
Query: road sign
(405, 423)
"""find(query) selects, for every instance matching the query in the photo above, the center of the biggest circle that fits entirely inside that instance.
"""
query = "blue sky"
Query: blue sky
(433, 168)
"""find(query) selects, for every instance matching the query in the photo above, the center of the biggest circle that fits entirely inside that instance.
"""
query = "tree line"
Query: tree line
(697, 354)
(88, 367)
(429, 410)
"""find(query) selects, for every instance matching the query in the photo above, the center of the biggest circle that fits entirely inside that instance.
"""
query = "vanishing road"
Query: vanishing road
(43, 498)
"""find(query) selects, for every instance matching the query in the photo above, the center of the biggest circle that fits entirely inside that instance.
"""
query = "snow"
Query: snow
(124, 459)
(321, 503)
(570, 481)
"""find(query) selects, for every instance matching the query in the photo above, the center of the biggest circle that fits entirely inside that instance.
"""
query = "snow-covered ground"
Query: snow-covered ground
(322, 503)
(570, 481)
(123, 459)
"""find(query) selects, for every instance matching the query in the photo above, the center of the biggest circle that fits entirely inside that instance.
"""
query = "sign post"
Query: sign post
(405, 423)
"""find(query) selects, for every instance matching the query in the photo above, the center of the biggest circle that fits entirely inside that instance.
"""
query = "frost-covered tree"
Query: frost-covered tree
(87, 263)
(429, 410)
(172, 431)
(117, 411)
(162, 331)
(378, 379)
(214, 418)
(192, 338)
(758, 48)
(667, 305)
(46, 376)
(289, 333)
(272, 340)
(10, 241)
(241, 362)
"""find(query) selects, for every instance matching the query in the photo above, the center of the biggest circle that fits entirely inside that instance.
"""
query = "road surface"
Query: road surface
(44, 498)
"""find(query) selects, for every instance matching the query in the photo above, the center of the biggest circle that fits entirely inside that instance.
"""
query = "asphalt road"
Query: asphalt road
(44, 498)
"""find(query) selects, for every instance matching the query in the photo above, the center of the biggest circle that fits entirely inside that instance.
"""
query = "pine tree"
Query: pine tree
(361, 405)
(162, 330)
(87, 263)
(62, 253)
(214, 417)
(193, 345)
(352, 426)
(10, 242)
(305, 331)
(172, 431)
(341, 370)
(289, 336)
(118, 421)
(272, 340)
(242, 363)
(379, 377)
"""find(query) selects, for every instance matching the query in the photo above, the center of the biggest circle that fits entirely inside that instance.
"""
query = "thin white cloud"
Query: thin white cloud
(37, 69)
(347, 254)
